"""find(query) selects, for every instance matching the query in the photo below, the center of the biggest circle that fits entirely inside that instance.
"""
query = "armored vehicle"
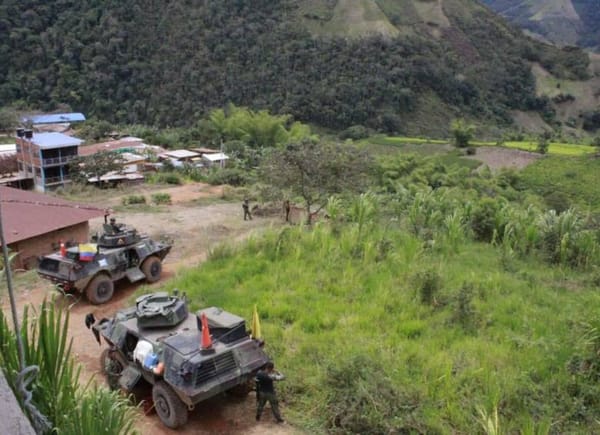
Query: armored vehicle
(185, 357)
(120, 252)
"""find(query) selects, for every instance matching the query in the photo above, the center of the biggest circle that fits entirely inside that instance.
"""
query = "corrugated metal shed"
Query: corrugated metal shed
(216, 157)
(27, 214)
(54, 140)
(54, 118)
(180, 154)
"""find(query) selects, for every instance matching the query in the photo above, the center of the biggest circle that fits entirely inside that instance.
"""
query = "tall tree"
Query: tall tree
(95, 166)
(315, 171)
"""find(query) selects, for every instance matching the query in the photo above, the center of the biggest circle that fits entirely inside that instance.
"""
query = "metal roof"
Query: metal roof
(27, 214)
(54, 140)
(215, 157)
(181, 154)
(55, 118)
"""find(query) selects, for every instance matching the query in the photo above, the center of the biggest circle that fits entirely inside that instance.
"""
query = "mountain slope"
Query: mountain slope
(394, 65)
(564, 22)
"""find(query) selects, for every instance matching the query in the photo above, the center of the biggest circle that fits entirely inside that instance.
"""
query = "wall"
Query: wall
(29, 249)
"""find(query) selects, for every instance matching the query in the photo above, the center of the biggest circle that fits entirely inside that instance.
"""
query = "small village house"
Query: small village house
(34, 224)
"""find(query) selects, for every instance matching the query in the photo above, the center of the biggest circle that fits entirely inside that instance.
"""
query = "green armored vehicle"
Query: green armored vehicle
(120, 252)
(186, 357)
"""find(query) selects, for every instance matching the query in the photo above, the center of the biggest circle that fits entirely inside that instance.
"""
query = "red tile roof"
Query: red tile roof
(27, 214)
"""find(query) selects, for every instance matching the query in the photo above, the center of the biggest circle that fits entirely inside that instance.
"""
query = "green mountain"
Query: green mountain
(407, 66)
(563, 22)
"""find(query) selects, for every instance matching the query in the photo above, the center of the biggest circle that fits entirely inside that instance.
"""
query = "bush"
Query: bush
(161, 198)
(363, 400)
(484, 220)
(56, 393)
(428, 283)
(356, 132)
(134, 199)
(165, 178)
(231, 176)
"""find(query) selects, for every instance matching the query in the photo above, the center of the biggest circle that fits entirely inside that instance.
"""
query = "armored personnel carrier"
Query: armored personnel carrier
(185, 357)
(120, 252)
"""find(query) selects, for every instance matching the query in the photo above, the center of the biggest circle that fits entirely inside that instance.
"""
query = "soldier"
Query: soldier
(286, 208)
(116, 227)
(246, 208)
(265, 391)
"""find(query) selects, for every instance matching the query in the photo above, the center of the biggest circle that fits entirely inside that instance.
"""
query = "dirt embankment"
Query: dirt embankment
(193, 229)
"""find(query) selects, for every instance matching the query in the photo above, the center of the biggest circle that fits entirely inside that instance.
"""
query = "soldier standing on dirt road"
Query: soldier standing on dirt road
(246, 208)
(286, 209)
(265, 391)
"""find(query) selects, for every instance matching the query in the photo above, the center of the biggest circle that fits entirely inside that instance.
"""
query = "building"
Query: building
(53, 118)
(34, 224)
(45, 157)
(215, 159)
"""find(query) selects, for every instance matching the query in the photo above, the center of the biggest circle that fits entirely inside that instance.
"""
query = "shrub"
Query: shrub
(165, 178)
(484, 220)
(362, 399)
(465, 312)
(56, 392)
(134, 199)
(231, 176)
(428, 283)
(161, 198)
(355, 132)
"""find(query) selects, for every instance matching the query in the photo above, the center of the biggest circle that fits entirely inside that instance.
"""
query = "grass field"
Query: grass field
(574, 178)
(348, 324)
(556, 148)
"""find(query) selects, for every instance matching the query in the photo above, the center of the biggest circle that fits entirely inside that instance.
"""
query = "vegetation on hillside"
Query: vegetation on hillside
(56, 392)
(439, 300)
(169, 63)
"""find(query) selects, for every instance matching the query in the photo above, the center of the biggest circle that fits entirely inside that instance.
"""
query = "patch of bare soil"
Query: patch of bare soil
(497, 158)
(193, 230)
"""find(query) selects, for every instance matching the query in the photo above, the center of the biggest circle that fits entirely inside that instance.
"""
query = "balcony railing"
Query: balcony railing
(57, 160)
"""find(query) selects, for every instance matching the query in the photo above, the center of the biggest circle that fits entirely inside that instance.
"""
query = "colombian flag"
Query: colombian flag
(87, 251)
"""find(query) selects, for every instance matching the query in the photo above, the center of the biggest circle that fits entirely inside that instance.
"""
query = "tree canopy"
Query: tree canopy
(315, 170)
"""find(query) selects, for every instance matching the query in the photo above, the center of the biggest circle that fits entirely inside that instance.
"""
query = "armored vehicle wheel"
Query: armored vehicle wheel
(242, 390)
(170, 409)
(152, 268)
(100, 289)
(111, 368)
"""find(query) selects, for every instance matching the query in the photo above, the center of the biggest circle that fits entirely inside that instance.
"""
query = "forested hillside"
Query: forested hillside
(564, 22)
(168, 63)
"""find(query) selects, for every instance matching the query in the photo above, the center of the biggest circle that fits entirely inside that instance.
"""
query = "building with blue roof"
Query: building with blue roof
(53, 118)
(45, 157)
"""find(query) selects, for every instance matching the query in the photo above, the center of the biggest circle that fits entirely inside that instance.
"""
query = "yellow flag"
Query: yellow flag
(256, 325)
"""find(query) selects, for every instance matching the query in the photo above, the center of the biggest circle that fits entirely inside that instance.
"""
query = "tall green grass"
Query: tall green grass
(343, 315)
(71, 408)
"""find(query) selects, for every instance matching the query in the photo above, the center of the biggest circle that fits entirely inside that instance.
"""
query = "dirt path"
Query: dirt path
(193, 229)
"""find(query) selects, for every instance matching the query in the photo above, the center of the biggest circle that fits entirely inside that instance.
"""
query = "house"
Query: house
(34, 224)
(215, 159)
(44, 157)
(53, 118)
(179, 157)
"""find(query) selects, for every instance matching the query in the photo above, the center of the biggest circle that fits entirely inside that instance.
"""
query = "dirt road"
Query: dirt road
(194, 229)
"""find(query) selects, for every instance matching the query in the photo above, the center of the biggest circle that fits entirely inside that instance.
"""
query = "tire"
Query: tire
(152, 268)
(111, 369)
(242, 390)
(100, 290)
(170, 409)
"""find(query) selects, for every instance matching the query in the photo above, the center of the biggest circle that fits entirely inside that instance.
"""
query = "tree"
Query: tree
(462, 132)
(95, 166)
(8, 119)
(315, 171)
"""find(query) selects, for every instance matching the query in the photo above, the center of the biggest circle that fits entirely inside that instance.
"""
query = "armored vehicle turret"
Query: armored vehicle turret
(185, 357)
(92, 268)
